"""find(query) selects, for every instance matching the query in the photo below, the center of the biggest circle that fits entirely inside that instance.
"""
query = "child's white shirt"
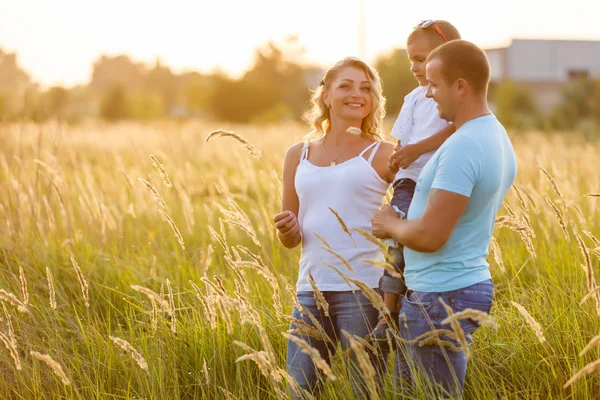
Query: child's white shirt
(418, 120)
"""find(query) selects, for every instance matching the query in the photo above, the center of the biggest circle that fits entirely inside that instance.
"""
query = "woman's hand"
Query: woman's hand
(287, 225)
(380, 219)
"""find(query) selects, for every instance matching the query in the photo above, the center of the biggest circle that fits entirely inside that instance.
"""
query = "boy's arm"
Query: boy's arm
(406, 155)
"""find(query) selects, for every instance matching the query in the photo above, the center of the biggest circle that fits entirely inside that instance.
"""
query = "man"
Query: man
(451, 218)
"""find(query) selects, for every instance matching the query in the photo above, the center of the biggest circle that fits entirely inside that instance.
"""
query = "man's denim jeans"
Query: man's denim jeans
(423, 312)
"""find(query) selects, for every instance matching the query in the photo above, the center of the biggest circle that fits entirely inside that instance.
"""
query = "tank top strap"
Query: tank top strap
(375, 146)
(304, 153)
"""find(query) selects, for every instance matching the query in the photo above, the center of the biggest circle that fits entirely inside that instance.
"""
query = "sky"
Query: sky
(58, 41)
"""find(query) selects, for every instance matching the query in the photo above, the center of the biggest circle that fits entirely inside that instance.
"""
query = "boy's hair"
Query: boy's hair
(463, 59)
(432, 36)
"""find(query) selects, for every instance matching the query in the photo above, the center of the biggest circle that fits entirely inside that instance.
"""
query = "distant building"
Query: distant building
(544, 66)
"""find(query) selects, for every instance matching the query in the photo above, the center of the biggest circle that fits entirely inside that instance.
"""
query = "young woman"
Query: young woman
(342, 167)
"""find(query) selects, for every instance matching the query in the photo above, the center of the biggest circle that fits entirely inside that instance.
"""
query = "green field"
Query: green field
(223, 290)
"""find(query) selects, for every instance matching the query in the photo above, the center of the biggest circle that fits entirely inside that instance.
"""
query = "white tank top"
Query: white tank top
(354, 190)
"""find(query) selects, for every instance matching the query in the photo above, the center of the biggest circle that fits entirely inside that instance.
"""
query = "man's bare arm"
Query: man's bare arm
(433, 230)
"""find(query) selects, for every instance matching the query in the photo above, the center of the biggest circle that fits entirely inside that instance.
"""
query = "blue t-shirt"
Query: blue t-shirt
(477, 161)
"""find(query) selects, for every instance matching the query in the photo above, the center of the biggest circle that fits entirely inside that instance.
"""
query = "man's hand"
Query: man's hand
(404, 156)
(287, 224)
(381, 219)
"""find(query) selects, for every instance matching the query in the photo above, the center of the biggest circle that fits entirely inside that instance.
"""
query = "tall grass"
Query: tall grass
(141, 262)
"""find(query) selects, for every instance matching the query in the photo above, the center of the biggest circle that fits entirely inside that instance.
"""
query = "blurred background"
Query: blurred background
(254, 62)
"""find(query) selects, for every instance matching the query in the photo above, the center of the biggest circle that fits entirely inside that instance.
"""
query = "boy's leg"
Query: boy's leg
(394, 287)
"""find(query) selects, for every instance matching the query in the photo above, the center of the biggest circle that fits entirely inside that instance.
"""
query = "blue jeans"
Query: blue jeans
(404, 190)
(348, 311)
(424, 312)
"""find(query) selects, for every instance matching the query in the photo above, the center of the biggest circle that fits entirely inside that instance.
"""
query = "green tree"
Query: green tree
(398, 81)
(515, 106)
(115, 104)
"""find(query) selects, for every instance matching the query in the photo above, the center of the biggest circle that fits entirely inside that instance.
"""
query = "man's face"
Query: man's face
(439, 90)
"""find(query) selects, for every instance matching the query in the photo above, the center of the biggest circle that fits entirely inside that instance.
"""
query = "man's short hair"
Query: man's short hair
(432, 36)
(463, 59)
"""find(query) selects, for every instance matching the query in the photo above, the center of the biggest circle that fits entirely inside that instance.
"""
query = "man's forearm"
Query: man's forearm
(411, 234)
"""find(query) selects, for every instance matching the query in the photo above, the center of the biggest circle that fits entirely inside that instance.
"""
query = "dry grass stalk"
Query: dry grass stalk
(528, 245)
(154, 315)
(592, 238)
(595, 340)
(342, 224)
(155, 194)
(509, 209)
(483, 319)
(82, 282)
(174, 227)
(12, 350)
(52, 293)
(589, 272)
(552, 181)
(313, 353)
(303, 328)
(12, 299)
(339, 257)
(270, 277)
(246, 144)
(371, 238)
(171, 306)
(437, 341)
(588, 369)
(495, 247)
(161, 171)
(458, 331)
(209, 310)
(205, 372)
(537, 328)
(520, 197)
(592, 195)
(513, 223)
(434, 333)
(263, 360)
(56, 367)
(127, 347)
(221, 240)
(164, 305)
(373, 296)
(364, 363)
(559, 217)
(589, 295)
(23, 281)
(385, 265)
(127, 181)
(11, 330)
(320, 299)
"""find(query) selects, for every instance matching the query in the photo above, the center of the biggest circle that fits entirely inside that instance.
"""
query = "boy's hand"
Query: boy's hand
(380, 219)
(405, 156)
(392, 165)
(287, 224)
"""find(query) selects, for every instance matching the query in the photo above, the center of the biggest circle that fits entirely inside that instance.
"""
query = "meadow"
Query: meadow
(139, 262)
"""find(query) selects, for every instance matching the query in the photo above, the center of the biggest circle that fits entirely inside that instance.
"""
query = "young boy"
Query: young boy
(420, 131)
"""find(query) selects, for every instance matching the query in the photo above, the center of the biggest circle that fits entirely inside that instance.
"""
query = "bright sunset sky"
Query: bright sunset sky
(57, 41)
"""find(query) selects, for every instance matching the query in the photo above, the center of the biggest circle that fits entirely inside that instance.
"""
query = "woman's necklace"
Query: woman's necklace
(334, 161)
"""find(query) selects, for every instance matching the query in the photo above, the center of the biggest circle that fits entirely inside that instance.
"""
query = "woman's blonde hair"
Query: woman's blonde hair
(318, 115)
